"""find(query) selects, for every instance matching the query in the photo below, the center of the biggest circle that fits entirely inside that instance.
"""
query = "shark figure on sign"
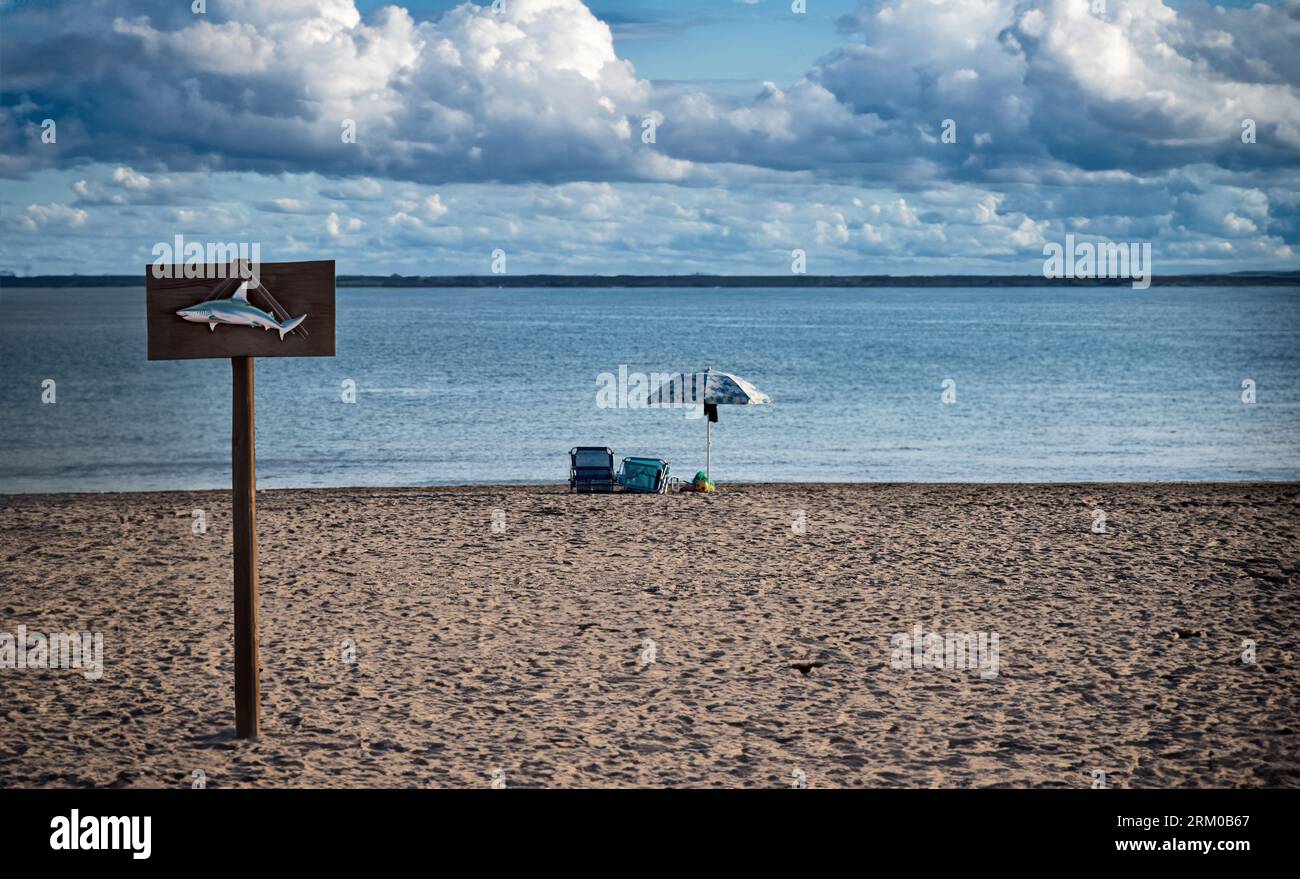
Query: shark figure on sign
(237, 311)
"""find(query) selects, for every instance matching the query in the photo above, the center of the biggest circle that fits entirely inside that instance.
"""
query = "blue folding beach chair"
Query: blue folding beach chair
(591, 468)
(646, 475)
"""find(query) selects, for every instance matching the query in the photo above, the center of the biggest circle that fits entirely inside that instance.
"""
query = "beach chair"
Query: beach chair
(591, 468)
(645, 475)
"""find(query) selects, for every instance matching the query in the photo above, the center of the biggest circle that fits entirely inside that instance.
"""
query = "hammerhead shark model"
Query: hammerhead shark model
(237, 311)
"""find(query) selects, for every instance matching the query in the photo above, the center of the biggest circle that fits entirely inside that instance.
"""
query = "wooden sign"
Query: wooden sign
(281, 291)
(279, 310)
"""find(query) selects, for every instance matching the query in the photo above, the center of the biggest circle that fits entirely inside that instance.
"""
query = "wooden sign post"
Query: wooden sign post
(243, 476)
(281, 310)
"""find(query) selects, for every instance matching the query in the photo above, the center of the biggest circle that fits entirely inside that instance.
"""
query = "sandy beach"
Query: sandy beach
(744, 639)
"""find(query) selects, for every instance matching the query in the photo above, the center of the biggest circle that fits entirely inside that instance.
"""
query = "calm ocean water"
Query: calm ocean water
(493, 386)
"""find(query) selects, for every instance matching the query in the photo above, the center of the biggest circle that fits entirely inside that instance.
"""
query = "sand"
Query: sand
(521, 653)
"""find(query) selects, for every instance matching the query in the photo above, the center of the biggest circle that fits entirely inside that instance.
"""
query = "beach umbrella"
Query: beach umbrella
(710, 389)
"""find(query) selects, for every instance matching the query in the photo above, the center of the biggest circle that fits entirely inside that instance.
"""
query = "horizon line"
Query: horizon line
(1239, 278)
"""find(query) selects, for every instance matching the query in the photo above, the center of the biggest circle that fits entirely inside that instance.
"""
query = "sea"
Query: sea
(489, 386)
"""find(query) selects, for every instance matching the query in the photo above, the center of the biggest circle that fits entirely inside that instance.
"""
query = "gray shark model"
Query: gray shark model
(237, 311)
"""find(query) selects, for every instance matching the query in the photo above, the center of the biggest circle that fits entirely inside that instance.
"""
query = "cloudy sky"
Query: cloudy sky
(522, 126)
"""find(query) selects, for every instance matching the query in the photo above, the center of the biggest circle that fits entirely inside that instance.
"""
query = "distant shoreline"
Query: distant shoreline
(1238, 279)
(560, 487)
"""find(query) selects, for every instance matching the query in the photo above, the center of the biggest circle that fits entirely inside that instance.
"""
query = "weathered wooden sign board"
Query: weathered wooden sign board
(299, 288)
(276, 310)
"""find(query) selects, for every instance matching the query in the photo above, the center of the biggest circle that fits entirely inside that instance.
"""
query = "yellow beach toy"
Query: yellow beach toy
(702, 483)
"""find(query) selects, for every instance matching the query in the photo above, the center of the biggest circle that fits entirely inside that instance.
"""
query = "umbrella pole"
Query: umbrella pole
(708, 449)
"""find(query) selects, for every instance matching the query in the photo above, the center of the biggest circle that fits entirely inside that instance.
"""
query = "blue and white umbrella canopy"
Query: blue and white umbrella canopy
(709, 388)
